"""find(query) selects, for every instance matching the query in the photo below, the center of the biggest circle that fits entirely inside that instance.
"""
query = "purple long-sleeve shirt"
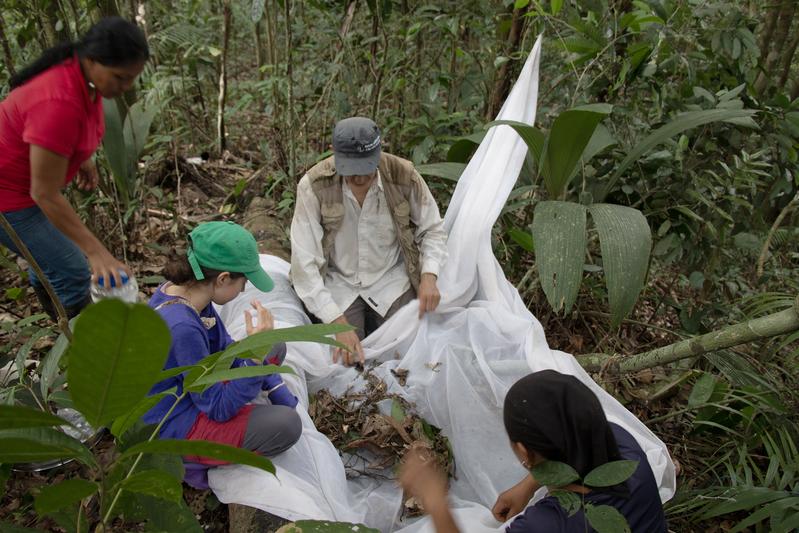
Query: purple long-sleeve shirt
(191, 342)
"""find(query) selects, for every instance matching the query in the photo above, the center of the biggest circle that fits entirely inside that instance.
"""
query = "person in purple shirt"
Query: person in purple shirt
(552, 416)
(221, 257)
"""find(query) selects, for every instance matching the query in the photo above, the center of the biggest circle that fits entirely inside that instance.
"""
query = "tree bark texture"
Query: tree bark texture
(786, 321)
(775, 45)
(504, 75)
(9, 60)
(220, 109)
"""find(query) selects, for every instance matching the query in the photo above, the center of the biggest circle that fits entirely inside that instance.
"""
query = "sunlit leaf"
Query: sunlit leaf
(611, 473)
(117, 353)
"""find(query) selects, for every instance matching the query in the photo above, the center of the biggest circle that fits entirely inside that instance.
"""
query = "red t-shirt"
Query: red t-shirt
(52, 110)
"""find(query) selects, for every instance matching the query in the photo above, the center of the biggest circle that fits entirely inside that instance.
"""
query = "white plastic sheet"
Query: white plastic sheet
(461, 362)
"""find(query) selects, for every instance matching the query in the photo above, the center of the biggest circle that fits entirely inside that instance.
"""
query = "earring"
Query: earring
(526, 465)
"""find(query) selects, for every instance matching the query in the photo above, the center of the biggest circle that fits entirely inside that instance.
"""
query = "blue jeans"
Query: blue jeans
(60, 259)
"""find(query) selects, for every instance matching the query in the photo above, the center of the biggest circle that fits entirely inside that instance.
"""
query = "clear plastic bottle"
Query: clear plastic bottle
(127, 292)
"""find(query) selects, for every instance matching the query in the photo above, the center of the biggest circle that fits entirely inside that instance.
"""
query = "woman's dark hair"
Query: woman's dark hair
(557, 416)
(178, 271)
(113, 42)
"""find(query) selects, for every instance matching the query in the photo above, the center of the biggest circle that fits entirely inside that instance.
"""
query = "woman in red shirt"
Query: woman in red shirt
(50, 125)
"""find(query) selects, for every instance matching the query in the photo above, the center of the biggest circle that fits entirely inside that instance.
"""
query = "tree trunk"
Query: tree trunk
(259, 48)
(504, 76)
(787, 58)
(773, 41)
(289, 76)
(220, 109)
(9, 60)
(786, 321)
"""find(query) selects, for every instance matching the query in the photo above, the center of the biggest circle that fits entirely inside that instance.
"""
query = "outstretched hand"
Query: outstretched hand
(354, 352)
(87, 177)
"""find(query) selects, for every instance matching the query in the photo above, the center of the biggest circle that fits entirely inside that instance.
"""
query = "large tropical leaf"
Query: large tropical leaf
(448, 171)
(566, 142)
(682, 122)
(600, 141)
(559, 236)
(50, 366)
(260, 343)
(626, 241)
(532, 136)
(117, 353)
(114, 147)
(154, 483)
(214, 450)
(28, 445)
(15, 416)
(64, 494)
(137, 127)
(231, 374)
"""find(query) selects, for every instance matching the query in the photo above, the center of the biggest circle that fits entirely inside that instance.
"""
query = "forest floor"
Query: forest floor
(183, 194)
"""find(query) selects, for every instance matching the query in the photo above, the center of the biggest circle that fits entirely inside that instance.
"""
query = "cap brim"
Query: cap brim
(347, 165)
(261, 280)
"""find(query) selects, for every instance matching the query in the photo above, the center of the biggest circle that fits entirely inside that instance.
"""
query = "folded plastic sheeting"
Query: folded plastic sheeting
(461, 360)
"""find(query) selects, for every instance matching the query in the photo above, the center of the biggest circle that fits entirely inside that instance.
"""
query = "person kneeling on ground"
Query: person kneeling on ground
(552, 416)
(221, 257)
(366, 237)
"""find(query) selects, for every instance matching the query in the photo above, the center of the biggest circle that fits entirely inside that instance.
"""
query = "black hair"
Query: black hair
(559, 417)
(179, 271)
(113, 42)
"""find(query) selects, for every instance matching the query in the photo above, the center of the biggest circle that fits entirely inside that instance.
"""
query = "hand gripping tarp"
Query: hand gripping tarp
(461, 361)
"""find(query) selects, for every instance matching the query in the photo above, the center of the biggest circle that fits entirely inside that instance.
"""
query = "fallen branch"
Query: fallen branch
(786, 321)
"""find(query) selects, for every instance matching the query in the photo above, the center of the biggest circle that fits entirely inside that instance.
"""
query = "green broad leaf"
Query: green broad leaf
(238, 373)
(555, 6)
(31, 320)
(600, 141)
(702, 391)
(790, 523)
(261, 342)
(178, 370)
(554, 474)
(204, 449)
(566, 142)
(568, 500)
(114, 147)
(137, 127)
(611, 473)
(15, 293)
(448, 171)
(532, 136)
(324, 526)
(679, 124)
(117, 353)
(30, 445)
(154, 483)
(125, 422)
(606, 519)
(14, 416)
(774, 508)
(50, 366)
(397, 411)
(743, 499)
(626, 242)
(522, 238)
(462, 149)
(64, 494)
(160, 515)
(520, 4)
(560, 240)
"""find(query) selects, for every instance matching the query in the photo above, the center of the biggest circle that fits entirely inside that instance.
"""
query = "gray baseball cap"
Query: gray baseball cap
(356, 146)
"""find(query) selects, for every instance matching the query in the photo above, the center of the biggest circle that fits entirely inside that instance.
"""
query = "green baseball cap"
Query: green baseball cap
(227, 247)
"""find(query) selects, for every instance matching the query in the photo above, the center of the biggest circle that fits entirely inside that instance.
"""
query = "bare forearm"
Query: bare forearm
(442, 517)
(64, 217)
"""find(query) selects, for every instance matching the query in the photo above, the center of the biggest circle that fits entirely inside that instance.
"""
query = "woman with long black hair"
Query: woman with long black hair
(50, 125)
(551, 416)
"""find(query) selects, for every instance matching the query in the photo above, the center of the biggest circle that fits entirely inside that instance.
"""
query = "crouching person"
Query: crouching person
(221, 257)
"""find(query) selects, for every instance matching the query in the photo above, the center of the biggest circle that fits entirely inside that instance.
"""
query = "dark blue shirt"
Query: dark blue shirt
(643, 510)
(192, 341)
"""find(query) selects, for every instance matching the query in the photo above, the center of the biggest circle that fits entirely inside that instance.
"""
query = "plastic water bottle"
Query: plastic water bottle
(127, 292)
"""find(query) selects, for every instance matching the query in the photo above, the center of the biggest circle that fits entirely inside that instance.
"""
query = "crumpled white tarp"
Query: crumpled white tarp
(461, 362)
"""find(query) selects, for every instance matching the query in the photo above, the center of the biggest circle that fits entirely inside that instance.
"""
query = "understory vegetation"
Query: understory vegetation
(669, 124)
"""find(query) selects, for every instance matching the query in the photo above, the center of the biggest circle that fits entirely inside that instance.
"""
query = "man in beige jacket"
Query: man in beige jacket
(366, 237)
